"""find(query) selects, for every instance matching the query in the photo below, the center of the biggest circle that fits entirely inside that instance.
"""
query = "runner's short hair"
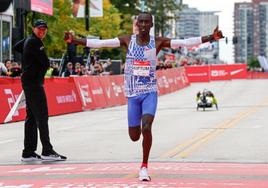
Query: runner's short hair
(148, 13)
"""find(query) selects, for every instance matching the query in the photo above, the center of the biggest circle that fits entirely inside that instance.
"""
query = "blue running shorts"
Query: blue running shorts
(139, 106)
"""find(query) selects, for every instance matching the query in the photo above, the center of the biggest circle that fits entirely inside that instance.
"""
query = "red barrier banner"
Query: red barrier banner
(175, 73)
(59, 80)
(257, 75)
(8, 95)
(171, 78)
(197, 73)
(219, 72)
(159, 84)
(238, 71)
(110, 91)
(178, 79)
(9, 80)
(182, 78)
(62, 98)
(91, 89)
(216, 72)
(162, 82)
(83, 87)
(119, 88)
(73, 94)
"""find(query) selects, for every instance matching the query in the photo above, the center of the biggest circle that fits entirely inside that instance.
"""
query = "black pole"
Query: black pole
(87, 15)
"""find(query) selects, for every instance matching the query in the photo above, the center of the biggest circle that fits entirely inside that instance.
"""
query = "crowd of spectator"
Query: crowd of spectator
(13, 69)
(10, 68)
(94, 68)
(166, 60)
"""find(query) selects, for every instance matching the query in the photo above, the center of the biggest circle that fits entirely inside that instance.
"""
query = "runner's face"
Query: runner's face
(40, 32)
(144, 23)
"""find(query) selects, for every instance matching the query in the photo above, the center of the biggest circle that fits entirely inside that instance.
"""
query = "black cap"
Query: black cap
(40, 23)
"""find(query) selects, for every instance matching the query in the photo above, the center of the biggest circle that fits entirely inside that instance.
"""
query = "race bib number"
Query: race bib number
(141, 68)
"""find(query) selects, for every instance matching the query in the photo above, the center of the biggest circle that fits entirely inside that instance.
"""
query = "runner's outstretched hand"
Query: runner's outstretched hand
(217, 34)
(68, 37)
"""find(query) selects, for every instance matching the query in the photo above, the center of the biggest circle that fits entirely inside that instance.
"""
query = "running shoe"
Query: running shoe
(53, 156)
(30, 157)
(143, 174)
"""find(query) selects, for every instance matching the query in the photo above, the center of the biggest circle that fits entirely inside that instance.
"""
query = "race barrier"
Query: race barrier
(8, 96)
(75, 94)
(257, 75)
(62, 98)
(207, 73)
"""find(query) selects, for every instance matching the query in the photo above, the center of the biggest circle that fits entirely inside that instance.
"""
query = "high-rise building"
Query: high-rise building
(260, 27)
(187, 23)
(190, 22)
(250, 30)
(243, 32)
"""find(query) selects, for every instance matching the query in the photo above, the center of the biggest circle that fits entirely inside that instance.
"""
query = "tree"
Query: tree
(253, 63)
(163, 11)
(62, 20)
(107, 26)
(128, 9)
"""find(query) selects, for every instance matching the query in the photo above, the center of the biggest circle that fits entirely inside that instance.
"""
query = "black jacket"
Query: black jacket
(34, 60)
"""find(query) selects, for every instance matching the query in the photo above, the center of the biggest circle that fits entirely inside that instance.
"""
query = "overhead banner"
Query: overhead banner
(95, 8)
(42, 6)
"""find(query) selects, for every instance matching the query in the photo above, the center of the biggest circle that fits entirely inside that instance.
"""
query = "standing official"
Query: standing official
(35, 63)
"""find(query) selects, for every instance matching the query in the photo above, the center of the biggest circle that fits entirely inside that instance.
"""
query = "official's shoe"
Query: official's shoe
(30, 157)
(143, 174)
(53, 156)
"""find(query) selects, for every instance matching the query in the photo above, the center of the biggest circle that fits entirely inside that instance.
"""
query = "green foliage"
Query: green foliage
(57, 24)
(162, 11)
(128, 9)
(107, 26)
(253, 63)
(62, 20)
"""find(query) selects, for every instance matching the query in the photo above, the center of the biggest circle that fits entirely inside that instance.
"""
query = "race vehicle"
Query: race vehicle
(206, 99)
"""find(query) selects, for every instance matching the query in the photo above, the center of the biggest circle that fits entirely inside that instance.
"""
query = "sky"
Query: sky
(226, 8)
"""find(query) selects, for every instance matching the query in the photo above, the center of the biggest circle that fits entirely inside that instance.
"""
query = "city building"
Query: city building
(190, 22)
(250, 30)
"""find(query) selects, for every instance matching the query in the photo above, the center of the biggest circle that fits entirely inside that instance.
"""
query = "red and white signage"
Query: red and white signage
(219, 72)
(216, 72)
(9, 95)
(238, 71)
(62, 98)
(42, 6)
(197, 73)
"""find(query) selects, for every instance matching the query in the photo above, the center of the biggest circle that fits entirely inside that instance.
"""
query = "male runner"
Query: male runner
(140, 76)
